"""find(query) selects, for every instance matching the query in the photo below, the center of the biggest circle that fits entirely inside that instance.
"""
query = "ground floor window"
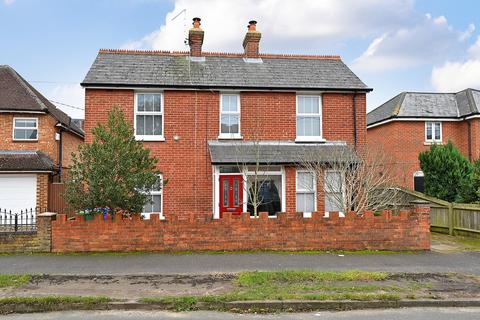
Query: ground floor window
(155, 200)
(333, 187)
(306, 192)
(419, 181)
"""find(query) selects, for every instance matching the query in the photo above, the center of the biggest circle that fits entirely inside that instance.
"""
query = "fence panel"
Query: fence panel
(439, 217)
(56, 201)
(467, 219)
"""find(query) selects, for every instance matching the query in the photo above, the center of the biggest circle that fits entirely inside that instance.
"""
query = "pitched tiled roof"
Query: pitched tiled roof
(215, 70)
(277, 152)
(16, 94)
(17, 160)
(427, 105)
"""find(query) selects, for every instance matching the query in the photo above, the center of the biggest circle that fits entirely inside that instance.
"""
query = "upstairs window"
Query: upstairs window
(309, 118)
(149, 116)
(433, 132)
(230, 116)
(25, 129)
(306, 192)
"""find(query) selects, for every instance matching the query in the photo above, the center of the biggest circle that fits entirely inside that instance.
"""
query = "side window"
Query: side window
(156, 201)
(149, 116)
(309, 118)
(230, 116)
(306, 191)
(433, 131)
(334, 195)
(25, 129)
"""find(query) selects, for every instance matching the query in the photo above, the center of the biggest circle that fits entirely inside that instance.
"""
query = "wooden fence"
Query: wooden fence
(451, 218)
(56, 202)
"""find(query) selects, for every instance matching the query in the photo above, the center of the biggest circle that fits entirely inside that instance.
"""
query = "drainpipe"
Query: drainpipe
(469, 141)
(60, 147)
(355, 120)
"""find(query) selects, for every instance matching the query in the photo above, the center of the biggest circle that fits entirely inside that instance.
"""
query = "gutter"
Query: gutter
(210, 87)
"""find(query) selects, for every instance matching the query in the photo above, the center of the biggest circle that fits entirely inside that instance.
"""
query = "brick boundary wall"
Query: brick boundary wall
(410, 230)
(27, 242)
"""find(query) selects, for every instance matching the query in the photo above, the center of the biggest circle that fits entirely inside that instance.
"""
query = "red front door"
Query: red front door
(231, 194)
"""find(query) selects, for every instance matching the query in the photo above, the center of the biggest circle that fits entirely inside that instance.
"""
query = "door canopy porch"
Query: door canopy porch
(278, 152)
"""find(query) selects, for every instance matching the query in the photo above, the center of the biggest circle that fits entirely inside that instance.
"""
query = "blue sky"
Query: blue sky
(394, 45)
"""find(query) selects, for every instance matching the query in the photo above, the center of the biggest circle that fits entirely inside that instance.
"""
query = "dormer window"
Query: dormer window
(25, 129)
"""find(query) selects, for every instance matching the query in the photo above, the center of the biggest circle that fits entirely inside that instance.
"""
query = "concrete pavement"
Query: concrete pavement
(466, 262)
(395, 314)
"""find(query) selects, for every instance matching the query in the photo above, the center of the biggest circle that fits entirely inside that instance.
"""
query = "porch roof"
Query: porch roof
(25, 161)
(278, 152)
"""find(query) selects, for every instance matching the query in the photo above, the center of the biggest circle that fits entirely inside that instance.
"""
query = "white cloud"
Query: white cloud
(284, 24)
(459, 75)
(8, 2)
(427, 40)
(456, 76)
(71, 94)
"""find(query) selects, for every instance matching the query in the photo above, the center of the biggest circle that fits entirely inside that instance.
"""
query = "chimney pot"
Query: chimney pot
(251, 41)
(195, 38)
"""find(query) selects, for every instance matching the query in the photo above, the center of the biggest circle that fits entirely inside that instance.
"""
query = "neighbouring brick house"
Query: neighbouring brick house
(194, 110)
(36, 142)
(410, 122)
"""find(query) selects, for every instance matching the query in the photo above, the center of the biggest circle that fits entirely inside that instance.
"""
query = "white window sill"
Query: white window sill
(310, 139)
(150, 138)
(230, 137)
(429, 143)
(307, 214)
(23, 140)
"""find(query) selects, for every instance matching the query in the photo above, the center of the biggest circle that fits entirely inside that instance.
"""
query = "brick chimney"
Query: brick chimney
(252, 40)
(195, 38)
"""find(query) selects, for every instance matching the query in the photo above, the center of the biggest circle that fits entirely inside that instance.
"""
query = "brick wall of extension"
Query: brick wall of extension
(194, 117)
(289, 231)
(404, 140)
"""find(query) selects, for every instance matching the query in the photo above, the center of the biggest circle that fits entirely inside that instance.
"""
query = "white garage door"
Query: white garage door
(18, 191)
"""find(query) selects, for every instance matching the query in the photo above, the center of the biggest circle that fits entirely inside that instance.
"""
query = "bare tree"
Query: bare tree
(254, 161)
(353, 181)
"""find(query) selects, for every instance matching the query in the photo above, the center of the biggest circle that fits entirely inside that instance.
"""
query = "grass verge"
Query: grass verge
(14, 280)
(292, 285)
(50, 303)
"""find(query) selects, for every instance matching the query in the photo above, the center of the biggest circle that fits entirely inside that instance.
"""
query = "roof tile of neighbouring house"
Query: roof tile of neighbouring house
(18, 160)
(277, 152)
(427, 105)
(220, 70)
(16, 94)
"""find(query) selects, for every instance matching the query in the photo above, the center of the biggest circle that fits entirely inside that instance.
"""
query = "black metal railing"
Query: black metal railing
(19, 220)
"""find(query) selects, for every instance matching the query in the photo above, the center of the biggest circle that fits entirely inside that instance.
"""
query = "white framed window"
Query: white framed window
(306, 192)
(25, 129)
(148, 121)
(333, 189)
(155, 205)
(309, 118)
(433, 132)
(230, 116)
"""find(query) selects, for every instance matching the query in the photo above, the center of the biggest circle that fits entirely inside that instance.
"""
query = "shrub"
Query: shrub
(448, 174)
(113, 171)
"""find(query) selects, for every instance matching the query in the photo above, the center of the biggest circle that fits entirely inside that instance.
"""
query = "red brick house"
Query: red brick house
(36, 142)
(194, 110)
(410, 122)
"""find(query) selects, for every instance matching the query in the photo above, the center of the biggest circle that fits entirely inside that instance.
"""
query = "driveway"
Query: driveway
(167, 264)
